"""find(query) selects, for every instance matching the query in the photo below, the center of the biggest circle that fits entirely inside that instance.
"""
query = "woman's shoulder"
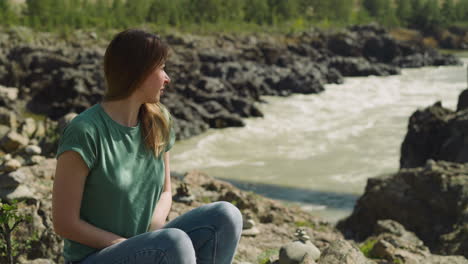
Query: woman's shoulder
(86, 121)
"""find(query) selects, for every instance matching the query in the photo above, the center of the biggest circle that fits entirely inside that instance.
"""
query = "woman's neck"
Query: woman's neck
(124, 112)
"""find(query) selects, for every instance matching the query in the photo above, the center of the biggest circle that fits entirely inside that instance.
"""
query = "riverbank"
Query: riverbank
(319, 150)
(217, 83)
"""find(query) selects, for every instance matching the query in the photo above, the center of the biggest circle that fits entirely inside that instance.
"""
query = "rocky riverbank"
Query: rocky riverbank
(217, 81)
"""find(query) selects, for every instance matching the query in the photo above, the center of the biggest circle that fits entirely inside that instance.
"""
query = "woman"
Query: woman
(112, 187)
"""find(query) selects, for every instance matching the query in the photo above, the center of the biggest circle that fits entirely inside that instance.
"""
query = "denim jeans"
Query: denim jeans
(208, 234)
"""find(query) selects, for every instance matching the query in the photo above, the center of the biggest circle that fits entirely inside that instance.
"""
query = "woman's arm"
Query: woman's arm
(70, 177)
(165, 201)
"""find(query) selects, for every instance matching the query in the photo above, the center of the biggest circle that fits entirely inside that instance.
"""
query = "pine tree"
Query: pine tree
(448, 12)
(403, 11)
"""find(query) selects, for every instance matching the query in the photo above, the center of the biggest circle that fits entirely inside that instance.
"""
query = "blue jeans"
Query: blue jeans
(206, 234)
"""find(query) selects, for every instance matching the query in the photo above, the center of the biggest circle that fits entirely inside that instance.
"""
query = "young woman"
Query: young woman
(112, 187)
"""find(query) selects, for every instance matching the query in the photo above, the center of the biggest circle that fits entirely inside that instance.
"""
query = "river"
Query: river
(319, 150)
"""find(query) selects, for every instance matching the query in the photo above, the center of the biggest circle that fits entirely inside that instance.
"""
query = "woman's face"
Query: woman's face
(153, 87)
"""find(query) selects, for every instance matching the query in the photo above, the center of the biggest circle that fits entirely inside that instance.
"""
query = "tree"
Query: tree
(403, 11)
(257, 11)
(375, 8)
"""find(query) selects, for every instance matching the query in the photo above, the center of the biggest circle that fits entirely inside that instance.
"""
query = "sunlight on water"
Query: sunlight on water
(322, 148)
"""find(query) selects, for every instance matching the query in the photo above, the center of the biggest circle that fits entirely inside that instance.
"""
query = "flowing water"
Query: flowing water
(319, 150)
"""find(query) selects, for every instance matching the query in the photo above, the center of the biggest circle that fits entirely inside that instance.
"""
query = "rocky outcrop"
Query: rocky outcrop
(430, 201)
(436, 133)
(216, 80)
(393, 243)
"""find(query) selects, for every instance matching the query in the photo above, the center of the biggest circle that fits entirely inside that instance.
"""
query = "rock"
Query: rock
(22, 192)
(28, 127)
(11, 165)
(434, 133)
(462, 100)
(38, 261)
(65, 120)
(343, 252)
(8, 95)
(413, 197)
(248, 225)
(36, 159)
(33, 150)
(13, 141)
(8, 118)
(393, 243)
(298, 250)
(183, 194)
(4, 130)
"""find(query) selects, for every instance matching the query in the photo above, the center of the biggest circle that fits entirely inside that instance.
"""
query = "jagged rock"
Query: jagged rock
(394, 244)
(462, 100)
(39, 261)
(183, 194)
(429, 201)
(8, 95)
(28, 127)
(36, 159)
(434, 133)
(12, 141)
(343, 252)
(8, 118)
(65, 120)
(4, 130)
(40, 130)
(11, 165)
(33, 150)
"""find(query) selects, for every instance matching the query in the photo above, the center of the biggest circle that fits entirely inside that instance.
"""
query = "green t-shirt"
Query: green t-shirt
(125, 179)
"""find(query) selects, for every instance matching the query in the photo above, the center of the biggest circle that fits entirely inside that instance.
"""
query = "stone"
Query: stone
(4, 130)
(343, 252)
(11, 165)
(183, 194)
(33, 150)
(28, 127)
(65, 120)
(8, 93)
(22, 192)
(298, 250)
(8, 118)
(38, 261)
(36, 159)
(12, 141)
(412, 197)
(40, 130)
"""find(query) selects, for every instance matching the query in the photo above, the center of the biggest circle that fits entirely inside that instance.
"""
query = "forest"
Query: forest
(292, 15)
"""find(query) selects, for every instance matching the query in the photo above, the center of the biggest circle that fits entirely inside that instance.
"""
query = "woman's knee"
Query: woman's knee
(228, 214)
(178, 246)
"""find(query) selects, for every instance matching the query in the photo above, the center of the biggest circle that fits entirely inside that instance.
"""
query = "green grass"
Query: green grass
(305, 224)
(367, 247)
(264, 257)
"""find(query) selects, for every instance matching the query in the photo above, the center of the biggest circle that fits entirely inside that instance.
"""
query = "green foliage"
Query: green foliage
(367, 247)
(305, 223)
(231, 15)
(10, 218)
(265, 256)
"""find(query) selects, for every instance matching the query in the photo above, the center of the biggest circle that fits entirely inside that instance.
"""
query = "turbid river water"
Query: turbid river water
(319, 150)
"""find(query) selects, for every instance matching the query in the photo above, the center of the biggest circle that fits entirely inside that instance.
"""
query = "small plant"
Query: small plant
(265, 256)
(367, 247)
(10, 218)
(305, 224)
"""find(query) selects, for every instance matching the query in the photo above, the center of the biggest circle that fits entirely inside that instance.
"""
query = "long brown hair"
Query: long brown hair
(129, 59)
